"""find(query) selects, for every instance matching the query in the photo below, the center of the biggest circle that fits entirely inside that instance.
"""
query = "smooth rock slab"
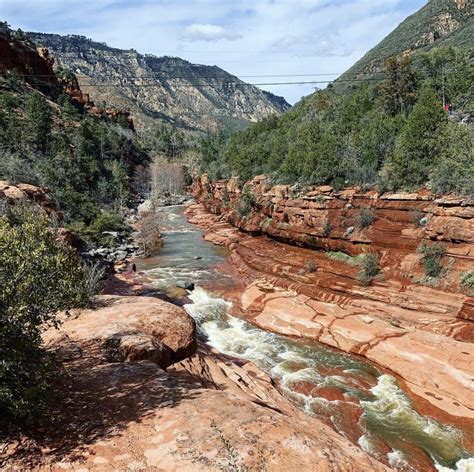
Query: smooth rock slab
(126, 329)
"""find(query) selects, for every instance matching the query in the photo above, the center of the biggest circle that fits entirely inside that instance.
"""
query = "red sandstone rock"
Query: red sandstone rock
(127, 329)
(396, 323)
(124, 413)
(39, 197)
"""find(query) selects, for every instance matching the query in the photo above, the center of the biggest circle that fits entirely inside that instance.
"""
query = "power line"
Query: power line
(219, 81)
(198, 76)
(215, 85)
(240, 84)
(122, 52)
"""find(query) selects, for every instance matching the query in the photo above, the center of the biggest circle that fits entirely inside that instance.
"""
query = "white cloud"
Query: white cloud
(208, 32)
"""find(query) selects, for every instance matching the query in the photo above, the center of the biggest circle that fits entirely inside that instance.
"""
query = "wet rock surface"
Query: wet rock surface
(396, 321)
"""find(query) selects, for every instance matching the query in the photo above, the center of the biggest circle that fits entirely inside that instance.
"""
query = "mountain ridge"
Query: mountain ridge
(167, 88)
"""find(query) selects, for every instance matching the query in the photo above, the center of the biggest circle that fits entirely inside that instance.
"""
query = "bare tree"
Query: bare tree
(166, 178)
(148, 231)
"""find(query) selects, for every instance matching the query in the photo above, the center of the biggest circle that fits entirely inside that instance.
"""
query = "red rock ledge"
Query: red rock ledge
(421, 333)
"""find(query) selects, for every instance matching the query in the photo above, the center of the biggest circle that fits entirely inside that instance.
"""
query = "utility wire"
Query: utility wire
(213, 85)
(240, 84)
(198, 76)
(219, 81)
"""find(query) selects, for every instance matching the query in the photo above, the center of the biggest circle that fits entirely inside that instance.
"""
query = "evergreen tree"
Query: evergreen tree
(38, 122)
(419, 143)
(399, 90)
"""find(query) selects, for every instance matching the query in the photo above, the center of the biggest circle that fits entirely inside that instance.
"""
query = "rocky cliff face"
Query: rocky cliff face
(299, 254)
(35, 65)
(439, 22)
(170, 89)
(355, 222)
(20, 55)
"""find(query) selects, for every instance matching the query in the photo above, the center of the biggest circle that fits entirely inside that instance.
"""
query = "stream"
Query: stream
(362, 403)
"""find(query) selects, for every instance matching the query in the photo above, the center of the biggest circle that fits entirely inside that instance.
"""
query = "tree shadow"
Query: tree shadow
(97, 403)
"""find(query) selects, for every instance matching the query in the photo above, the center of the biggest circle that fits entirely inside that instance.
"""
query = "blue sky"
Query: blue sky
(321, 38)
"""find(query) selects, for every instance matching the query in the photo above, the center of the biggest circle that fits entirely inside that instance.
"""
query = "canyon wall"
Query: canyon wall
(299, 253)
(355, 222)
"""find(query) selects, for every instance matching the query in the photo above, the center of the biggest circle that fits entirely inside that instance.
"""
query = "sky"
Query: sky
(260, 41)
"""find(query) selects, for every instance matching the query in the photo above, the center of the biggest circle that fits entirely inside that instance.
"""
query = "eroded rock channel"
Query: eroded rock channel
(366, 404)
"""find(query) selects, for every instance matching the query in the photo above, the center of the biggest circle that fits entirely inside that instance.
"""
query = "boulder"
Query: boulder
(125, 329)
(185, 284)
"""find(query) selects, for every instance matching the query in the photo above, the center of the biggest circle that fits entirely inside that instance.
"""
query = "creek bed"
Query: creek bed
(360, 402)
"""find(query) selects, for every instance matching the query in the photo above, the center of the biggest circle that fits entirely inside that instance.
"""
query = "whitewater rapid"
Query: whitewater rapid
(298, 366)
(388, 414)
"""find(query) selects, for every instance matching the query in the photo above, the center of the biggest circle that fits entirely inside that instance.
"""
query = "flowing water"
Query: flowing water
(362, 403)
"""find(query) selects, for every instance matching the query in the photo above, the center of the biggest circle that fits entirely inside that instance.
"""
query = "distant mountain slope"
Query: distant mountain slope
(439, 22)
(192, 96)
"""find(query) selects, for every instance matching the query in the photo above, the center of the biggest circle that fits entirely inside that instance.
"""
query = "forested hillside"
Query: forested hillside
(438, 23)
(411, 128)
(87, 157)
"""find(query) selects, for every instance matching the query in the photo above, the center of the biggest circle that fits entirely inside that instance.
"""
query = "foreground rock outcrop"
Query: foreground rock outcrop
(122, 411)
(126, 329)
(423, 333)
(38, 197)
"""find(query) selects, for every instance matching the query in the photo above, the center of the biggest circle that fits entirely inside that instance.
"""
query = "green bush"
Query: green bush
(311, 267)
(432, 256)
(454, 167)
(369, 268)
(108, 222)
(327, 228)
(467, 280)
(343, 257)
(365, 217)
(417, 218)
(245, 203)
(38, 278)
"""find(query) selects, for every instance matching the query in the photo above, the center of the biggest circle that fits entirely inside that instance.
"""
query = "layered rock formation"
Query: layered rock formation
(122, 411)
(191, 96)
(421, 332)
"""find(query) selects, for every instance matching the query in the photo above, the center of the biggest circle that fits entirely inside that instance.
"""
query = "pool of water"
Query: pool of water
(362, 403)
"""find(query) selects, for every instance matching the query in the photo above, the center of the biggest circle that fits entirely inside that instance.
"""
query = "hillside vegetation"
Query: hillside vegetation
(438, 23)
(395, 134)
(48, 139)
(389, 127)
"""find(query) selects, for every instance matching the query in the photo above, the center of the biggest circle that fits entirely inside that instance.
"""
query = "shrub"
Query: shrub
(311, 267)
(327, 228)
(148, 233)
(432, 255)
(343, 257)
(365, 217)
(369, 268)
(418, 218)
(107, 222)
(245, 204)
(467, 280)
(38, 278)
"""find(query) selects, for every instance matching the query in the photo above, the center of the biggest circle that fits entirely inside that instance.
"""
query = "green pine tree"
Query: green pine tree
(419, 143)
